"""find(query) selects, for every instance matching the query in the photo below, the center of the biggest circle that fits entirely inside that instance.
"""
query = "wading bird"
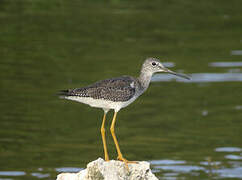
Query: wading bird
(117, 93)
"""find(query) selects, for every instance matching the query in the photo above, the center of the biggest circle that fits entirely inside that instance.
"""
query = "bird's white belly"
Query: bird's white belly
(101, 103)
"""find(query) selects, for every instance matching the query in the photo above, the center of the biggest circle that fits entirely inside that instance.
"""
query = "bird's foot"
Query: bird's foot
(120, 158)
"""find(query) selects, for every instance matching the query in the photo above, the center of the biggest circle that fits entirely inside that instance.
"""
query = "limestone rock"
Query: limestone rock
(111, 170)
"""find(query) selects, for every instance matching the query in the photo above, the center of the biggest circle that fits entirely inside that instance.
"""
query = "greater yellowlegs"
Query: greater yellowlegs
(116, 93)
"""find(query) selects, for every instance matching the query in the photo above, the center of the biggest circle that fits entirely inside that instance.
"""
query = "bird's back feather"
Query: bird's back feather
(114, 89)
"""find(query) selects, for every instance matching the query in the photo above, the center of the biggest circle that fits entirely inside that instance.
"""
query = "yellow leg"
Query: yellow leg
(104, 139)
(120, 156)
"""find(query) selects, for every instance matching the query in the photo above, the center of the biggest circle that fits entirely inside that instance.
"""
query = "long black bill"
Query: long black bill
(177, 74)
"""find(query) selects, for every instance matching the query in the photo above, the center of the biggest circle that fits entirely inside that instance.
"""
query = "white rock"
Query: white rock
(111, 170)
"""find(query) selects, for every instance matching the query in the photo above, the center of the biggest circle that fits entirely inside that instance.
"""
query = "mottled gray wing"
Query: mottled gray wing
(114, 89)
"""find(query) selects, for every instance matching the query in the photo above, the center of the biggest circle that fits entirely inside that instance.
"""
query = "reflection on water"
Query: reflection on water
(40, 175)
(168, 64)
(233, 75)
(230, 172)
(173, 169)
(68, 169)
(201, 77)
(233, 157)
(167, 162)
(228, 149)
(208, 162)
(225, 64)
(236, 52)
(12, 173)
(229, 167)
(239, 107)
(234, 70)
(181, 169)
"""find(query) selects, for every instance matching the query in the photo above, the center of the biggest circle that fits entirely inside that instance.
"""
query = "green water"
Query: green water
(46, 46)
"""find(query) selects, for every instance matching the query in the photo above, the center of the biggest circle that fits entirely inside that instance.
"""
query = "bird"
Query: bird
(115, 94)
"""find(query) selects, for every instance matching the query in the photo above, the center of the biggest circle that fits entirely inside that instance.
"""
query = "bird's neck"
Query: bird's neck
(144, 78)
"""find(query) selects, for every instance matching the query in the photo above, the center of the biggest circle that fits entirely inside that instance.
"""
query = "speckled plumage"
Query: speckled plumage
(116, 93)
(114, 89)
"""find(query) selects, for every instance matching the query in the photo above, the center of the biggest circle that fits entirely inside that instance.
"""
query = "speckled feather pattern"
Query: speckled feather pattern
(115, 89)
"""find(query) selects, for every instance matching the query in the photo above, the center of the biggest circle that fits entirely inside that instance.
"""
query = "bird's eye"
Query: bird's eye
(153, 63)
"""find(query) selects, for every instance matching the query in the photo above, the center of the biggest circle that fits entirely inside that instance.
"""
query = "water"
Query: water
(167, 168)
(236, 52)
(214, 169)
(225, 64)
(202, 77)
(186, 129)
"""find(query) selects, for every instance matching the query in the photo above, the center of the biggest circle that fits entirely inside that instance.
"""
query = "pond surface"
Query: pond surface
(185, 129)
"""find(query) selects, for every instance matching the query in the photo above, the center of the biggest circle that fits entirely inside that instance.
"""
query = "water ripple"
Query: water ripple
(230, 167)
(225, 64)
(228, 149)
(12, 173)
(200, 77)
(181, 168)
(233, 157)
(68, 169)
(40, 175)
(236, 52)
(230, 172)
(167, 162)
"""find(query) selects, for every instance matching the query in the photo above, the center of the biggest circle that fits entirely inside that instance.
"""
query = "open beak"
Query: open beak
(177, 74)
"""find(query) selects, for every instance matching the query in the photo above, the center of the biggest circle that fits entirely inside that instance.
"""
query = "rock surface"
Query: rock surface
(111, 170)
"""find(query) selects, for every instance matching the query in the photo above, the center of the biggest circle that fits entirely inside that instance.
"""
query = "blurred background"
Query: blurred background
(187, 130)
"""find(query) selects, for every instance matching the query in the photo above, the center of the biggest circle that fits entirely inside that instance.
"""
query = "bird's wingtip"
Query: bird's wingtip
(62, 93)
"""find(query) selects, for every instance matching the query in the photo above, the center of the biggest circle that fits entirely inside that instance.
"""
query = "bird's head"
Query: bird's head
(153, 65)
